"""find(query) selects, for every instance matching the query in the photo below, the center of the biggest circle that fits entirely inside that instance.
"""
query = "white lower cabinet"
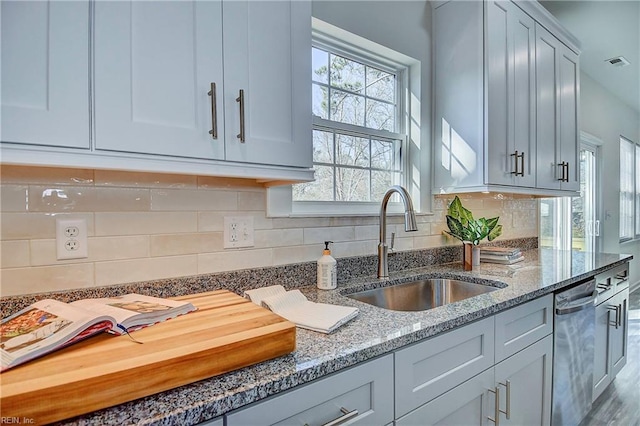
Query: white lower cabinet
(497, 369)
(517, 389)
(610, 340)
(360, 395)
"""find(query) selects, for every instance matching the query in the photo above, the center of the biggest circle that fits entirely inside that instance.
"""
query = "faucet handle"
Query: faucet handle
(393, 240)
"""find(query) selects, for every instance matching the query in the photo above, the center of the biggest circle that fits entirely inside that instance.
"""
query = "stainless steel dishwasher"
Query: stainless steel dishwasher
(573, 352)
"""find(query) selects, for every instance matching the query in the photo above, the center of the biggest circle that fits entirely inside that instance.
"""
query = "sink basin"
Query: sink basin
(421, 295)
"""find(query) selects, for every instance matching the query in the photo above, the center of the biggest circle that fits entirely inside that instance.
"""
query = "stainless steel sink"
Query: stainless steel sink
(421, 295)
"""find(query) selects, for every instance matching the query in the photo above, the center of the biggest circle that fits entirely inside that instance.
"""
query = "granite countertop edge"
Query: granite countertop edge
(318, 355)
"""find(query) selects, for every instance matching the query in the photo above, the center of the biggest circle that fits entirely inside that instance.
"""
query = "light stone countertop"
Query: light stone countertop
(374, 332)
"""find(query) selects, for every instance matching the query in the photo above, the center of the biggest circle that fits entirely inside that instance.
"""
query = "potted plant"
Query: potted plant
(470, 231)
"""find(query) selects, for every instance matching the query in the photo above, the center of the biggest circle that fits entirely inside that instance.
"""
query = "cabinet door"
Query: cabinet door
(618, 340)
(568, 74)
(267, 56)
(511, 95)
(468, 404)
(154, 65)
(602, 363)
(45, 73)
(524, 380)
(557, 113)
(361, 395)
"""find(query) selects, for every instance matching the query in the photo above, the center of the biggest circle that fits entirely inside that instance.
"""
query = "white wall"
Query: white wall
(607, 118)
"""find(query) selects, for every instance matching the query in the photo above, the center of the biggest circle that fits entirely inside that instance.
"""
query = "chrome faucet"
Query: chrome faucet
(409, 225)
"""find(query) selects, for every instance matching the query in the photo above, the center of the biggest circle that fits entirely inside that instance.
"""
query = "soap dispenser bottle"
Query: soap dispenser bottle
(327, 269)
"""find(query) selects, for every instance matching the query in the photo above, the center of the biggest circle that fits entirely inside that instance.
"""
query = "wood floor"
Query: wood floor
(619, 404)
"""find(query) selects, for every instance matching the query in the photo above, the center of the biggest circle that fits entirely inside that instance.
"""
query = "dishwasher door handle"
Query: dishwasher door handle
(578, 305)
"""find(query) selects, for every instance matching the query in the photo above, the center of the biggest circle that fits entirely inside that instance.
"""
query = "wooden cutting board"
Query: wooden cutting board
(227, 332)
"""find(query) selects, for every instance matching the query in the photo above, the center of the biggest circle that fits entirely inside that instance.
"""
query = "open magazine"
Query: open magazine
(49, 325)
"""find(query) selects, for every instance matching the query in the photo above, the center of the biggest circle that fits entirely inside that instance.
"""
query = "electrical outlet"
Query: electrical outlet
(71, 239)
(238, 231)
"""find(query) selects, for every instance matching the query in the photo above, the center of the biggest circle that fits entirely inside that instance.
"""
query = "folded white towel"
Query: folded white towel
(294, 306)
(256, 295)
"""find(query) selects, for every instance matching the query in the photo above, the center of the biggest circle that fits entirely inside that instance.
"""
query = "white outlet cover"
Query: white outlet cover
(71, 239)
(238, 232)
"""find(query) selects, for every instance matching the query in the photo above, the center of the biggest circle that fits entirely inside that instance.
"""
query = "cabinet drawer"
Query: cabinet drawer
(367, 388)
(611, 282)
(427, 369)
(523, 325)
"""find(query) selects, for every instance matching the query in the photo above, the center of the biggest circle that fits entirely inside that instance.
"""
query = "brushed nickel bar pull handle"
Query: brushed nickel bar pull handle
(567, 176)
(522, 164)
(507, 385)
(496, 408)
(619, 313)
(347, 415)
(240, 100)
(214, 112)
(613, 308)
(561, 179)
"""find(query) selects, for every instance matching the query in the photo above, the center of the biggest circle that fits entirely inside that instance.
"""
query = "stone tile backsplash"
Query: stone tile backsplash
(146, 226)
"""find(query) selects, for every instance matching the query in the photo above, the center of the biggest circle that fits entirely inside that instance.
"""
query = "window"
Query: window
(357, 110)
(627, 190)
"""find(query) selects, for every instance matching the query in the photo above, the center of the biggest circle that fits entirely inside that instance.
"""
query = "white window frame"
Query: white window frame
(326, 36)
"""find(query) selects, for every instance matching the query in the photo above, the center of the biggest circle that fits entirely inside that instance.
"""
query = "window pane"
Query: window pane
(381, 85)
(380, 115)
(320, 64)
(382, 155)
(380, 182)
(347, 74)
(352, 151)
(352, 184)
(322, 147)
(627, 190)
(319, 190)
(320, 101)
(347, 108)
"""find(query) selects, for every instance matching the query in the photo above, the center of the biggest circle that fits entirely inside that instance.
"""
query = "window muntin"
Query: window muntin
(357, 144)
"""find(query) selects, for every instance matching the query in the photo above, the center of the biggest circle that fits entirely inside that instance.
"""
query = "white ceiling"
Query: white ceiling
(606, 29)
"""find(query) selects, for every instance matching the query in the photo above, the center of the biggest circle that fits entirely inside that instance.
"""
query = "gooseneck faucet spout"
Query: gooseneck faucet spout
(409, 225)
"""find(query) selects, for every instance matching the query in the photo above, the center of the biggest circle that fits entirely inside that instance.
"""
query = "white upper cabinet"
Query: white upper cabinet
(45, 73)
(267, 58)
(155, 86)
(557, 76)
(510, 95)
(489, 133)
(154, 65)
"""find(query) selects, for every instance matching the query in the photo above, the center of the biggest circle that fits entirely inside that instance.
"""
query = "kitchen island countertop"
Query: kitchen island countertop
(373, 332)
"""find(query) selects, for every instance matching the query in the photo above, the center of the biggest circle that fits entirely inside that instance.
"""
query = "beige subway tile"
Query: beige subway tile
(19, 226)
(213, 182)
(143, 180)
(252, 201)
(296, 254)
(127, 271)
(13, 198)
(144, 223)
(231, 260)
(87, 199)
(433, 241)
(46, 175)
(278, 237)
(209, 221)
(353, 248)
(369, 232)
(193, 199)
(14, 254)
(16, 281)
(337, 234)
(175, 244)
(211, 242)
(525, 219)
(43, 252)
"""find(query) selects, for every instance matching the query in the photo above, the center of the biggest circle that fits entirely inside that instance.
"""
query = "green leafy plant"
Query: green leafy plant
(464, 227)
